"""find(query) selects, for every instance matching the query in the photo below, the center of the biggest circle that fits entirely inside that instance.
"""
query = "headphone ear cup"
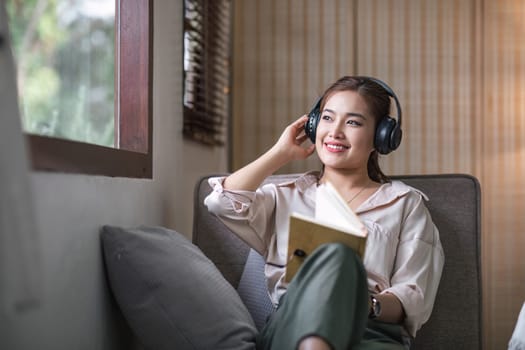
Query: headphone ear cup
(310, 126)
(388, 135)
(388, 132)
(395, 137)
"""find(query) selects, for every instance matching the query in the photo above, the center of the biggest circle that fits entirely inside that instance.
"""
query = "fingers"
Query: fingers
(294, 134)
(298, 127)
(301, 138)
(301, 121)
(293, 138)
(299, 135)
(310, 150)
(307, 152)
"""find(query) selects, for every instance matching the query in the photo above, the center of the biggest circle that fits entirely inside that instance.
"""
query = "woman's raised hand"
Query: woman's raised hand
(291, 141)
(289, 147)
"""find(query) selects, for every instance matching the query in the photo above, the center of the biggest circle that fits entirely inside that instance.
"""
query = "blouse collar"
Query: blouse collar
(385, 194)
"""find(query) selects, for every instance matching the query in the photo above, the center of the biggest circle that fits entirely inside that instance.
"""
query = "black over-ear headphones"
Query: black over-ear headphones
(388, 131)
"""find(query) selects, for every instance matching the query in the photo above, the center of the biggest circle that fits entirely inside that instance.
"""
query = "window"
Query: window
(65, 68)
(206, 69)
(114, 137)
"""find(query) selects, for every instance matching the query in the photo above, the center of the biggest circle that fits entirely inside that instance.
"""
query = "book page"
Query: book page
(332, 209)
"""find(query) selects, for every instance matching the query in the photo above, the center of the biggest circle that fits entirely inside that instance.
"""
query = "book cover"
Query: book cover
(334, 221)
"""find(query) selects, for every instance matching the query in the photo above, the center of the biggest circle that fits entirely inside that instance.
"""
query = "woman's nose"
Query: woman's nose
(336, 131)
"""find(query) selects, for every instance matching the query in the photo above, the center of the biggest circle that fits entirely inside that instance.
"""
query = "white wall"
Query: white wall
(75, 310)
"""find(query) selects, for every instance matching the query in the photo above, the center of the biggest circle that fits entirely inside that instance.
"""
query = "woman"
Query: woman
(336, 301)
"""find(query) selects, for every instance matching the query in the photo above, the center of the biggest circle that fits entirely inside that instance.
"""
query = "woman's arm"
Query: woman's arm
(287, 148)
(418, 264)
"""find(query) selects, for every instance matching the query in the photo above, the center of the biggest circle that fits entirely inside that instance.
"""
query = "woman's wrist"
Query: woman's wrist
(278, 156)
(390, 308)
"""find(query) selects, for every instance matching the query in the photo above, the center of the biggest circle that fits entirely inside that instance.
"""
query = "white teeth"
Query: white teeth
(336, 147)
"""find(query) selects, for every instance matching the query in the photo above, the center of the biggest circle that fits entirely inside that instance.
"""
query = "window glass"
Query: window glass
(65, 54)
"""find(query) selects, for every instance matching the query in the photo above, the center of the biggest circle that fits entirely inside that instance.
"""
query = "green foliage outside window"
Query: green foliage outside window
(65, 56)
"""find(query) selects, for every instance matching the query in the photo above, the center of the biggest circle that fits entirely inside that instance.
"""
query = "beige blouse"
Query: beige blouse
(403, 254)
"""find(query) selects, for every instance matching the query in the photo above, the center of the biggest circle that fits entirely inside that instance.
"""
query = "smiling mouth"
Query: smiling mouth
(335, 148)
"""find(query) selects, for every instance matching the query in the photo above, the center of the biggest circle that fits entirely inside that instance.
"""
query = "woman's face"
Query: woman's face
(345, 133)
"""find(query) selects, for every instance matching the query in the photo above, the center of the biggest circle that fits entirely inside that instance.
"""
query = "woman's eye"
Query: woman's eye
(326, 117)
(353, 122)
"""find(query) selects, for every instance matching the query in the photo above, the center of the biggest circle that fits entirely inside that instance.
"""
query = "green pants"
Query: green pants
(328, 297)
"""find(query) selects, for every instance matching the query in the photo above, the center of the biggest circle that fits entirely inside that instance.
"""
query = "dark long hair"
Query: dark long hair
(378, 102)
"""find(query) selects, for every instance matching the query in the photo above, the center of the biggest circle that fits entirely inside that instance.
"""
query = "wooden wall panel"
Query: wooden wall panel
(503, 161)
(458, 69)
(424, 50)
(285, 54)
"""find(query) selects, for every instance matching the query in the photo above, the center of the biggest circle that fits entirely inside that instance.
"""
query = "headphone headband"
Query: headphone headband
(390, 92)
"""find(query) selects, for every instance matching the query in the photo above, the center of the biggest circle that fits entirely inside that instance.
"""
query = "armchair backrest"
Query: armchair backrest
(455, 208)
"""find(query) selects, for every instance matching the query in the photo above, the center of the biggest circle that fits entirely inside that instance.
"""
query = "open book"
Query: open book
(334, 221)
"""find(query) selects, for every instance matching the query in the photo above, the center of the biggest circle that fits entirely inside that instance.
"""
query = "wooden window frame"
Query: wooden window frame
(133, 154)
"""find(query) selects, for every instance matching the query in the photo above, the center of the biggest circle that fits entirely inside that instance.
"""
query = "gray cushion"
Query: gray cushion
(173, 296)
(253, 289)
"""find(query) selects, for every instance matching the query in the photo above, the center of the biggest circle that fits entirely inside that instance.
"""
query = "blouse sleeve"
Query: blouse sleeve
(418, 265)
(250, 215)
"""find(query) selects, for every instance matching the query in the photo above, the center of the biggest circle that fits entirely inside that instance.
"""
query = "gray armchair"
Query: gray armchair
(455, 208)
